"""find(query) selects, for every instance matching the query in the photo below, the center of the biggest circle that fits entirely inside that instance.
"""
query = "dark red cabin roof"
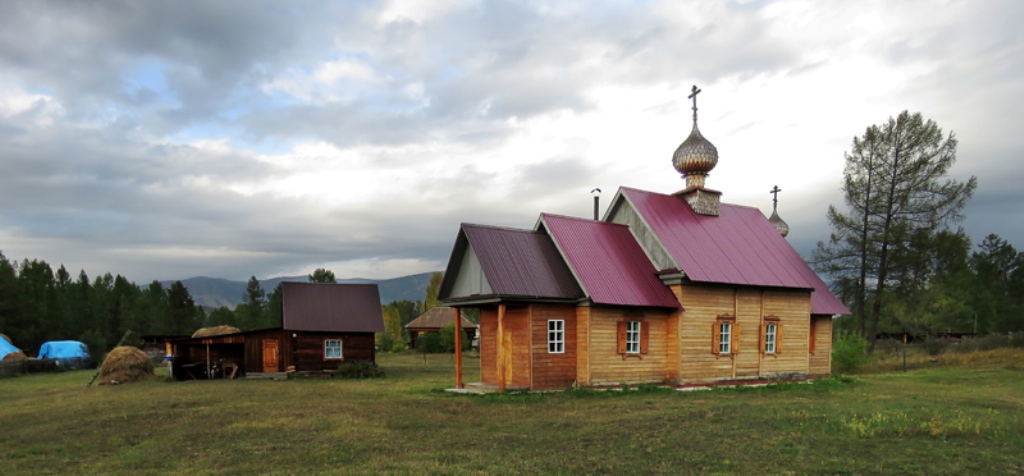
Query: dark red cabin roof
(740, 247)
(331, 307)
(608, 262)
(516, 263)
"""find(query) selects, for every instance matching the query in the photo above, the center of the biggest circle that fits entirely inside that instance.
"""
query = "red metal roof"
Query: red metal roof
(331, 307)
(740, 246)
(608, 262)
(516, 263)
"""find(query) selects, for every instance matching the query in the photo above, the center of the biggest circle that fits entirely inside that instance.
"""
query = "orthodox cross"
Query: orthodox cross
(775, 197)
(693, 95)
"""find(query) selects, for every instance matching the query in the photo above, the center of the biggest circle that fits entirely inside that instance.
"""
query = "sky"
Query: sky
(165, 140)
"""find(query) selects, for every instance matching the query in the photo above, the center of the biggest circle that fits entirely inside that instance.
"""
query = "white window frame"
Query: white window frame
(633, 337)
(328, 348)
(771, 332)
(724, 338)
(556, 336)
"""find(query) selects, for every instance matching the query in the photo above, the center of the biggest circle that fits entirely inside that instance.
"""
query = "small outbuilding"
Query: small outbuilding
(323, 325)
(433, 320)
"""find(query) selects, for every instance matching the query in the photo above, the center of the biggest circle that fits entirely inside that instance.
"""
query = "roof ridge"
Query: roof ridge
(495, 227)
(598, 222)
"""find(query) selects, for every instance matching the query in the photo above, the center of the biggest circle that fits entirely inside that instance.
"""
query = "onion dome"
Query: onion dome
(775, 220)
(695, 157)
(779, 223)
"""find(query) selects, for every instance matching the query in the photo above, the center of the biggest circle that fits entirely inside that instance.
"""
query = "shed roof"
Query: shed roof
(517, 263)
(436, 318)
(740, 246)
(608, 262)
(331, 307)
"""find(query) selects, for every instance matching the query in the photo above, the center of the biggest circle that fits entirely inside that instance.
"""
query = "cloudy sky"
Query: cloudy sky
(164, 140)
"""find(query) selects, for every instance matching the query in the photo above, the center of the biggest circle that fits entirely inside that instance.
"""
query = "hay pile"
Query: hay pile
(216, 331)
(15, 356)
(18, 355)
(125, 364)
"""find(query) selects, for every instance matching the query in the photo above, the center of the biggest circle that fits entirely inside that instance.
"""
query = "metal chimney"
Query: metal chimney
(597, 201)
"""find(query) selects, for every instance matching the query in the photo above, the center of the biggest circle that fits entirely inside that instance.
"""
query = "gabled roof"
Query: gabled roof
(607, 261)
(516, 263)
(436, 318)
(326, 307)
(740, 247)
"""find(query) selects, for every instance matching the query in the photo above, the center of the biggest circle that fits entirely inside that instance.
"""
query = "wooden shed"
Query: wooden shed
(323, 326)
(433, 320)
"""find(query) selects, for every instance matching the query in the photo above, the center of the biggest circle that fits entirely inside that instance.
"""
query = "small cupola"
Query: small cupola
(775, 220)
(695, 158)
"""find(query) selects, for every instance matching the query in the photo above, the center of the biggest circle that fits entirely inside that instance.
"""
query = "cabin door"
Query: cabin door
(271, 353)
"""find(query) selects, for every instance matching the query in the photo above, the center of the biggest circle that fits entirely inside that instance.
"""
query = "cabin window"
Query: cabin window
(556, 336)
(633, 337)
(725, 336)
(769, 337)
(332, 349)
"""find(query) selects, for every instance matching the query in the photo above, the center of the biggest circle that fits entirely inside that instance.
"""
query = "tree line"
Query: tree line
(38, 304)
(896, 255)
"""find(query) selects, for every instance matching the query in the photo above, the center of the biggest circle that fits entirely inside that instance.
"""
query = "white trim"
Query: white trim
(556, 336)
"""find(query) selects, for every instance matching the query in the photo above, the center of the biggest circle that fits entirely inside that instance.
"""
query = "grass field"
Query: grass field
(945, 417)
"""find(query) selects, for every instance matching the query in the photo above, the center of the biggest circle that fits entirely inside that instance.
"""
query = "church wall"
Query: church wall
(583, 345)
(517, 346)
(699, 362)
(607, 366)
(702, 305)
(794, 310)
(821, 357)
(553, 371)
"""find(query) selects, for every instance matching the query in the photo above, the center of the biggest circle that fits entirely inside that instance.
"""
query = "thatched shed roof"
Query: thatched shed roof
(216, 331)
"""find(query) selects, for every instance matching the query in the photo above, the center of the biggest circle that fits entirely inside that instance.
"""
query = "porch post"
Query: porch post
(458, 348)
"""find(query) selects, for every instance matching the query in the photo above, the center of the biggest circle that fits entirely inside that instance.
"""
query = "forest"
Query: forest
(38, 304)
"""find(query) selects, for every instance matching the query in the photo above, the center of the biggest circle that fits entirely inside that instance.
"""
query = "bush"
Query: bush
(849, 351)
(934, 346)
(359, 369)
(429, 343)
(448, 339)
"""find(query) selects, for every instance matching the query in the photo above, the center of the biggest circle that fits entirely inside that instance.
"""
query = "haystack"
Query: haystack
(14, 356)
(125, 364)
(216, 331)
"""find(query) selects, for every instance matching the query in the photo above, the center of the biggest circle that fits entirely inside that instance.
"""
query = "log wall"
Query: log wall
(553, 371)
(608, 367)
(821, 357)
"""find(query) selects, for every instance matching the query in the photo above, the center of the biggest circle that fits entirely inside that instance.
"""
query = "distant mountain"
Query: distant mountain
(217, 292)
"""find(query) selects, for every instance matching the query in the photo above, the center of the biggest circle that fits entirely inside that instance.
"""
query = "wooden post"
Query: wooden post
(208, 376)
(501, 347)
(458, 348)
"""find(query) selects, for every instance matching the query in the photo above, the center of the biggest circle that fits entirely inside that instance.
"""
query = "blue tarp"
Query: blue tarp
(63, 350)
(6, 348)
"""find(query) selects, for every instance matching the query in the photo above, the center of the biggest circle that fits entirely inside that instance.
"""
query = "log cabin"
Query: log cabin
(322, 326)
(675, 289)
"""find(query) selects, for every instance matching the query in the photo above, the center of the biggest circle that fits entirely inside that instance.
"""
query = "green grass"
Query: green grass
(965, 418)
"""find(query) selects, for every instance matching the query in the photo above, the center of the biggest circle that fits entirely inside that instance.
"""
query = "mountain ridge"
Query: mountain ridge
(216, 292)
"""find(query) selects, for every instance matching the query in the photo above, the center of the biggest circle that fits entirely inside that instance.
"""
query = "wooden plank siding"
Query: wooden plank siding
(607, 366)
(821, 358)
(703, 304)
(583, 345)
(553, 371)
(794, 311)
(517, 334)
(489, 345)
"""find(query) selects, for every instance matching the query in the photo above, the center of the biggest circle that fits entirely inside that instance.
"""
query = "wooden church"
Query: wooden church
(672, 289)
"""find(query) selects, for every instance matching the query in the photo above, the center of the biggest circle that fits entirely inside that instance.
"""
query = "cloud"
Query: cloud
(165, 140)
